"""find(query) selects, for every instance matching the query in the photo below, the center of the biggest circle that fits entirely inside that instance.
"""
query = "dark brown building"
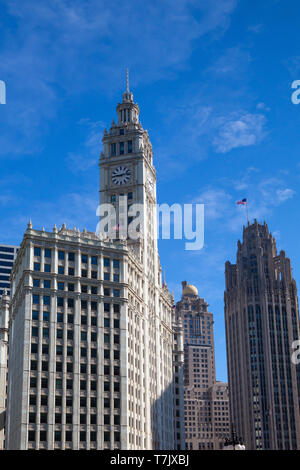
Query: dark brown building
(262, 321)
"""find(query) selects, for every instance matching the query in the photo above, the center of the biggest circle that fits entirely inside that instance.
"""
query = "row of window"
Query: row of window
(62, 255)
(43, 418)
(121, 148)
(46, 284)
(36, 299)
(69, 436)
(69, 382)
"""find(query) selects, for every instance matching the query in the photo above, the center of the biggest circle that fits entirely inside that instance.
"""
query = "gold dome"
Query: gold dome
(189, 289)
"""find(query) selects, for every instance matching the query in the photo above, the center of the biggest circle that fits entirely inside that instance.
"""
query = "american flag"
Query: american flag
(242, 202)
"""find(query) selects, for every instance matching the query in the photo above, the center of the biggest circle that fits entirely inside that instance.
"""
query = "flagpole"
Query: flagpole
(247, 213)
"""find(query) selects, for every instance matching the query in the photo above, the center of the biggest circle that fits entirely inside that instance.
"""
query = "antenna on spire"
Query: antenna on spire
(127, 80)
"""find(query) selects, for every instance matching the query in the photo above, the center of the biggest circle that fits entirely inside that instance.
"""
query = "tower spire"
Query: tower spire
(127, 80)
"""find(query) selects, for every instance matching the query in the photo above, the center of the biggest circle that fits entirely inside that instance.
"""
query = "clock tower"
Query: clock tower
(128, 178)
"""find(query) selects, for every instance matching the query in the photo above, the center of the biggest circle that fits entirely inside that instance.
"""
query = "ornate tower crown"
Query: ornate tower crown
(128, 111)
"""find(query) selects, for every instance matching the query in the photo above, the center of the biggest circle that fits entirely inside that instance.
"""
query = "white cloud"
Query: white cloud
(216, 202)
(234, 62)
(239, 131)
(284, 194)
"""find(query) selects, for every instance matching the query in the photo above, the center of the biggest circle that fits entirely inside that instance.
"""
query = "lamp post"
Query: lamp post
(233, 443)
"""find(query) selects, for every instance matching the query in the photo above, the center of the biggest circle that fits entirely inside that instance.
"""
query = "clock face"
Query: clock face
(121, 175)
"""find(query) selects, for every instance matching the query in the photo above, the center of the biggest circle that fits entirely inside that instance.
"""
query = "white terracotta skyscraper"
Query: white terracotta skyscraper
(92, 326)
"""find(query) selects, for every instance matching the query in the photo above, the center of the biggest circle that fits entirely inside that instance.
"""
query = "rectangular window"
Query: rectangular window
(60, 285)
(129, 146)
(121, 148)
(35, 299)
(45, 332)
(116, 264)
(36, 283)
(36, 266)
(43, 436)
(71, 256)
(106, 276)
(61, 270)
(113, 149)
(47, 268)
(94, 260)
(44, 382)
(47, 253)
(58, 398)
(58, 384)
(106, 338)
(69, 384)
(47, 284)
(37, 251)
(46, 300)
(84, 258)
(34, 331)
(61, 255)
(60, 317)
(106, 262)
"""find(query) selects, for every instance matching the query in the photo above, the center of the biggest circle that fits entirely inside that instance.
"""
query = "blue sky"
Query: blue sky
(213, 82)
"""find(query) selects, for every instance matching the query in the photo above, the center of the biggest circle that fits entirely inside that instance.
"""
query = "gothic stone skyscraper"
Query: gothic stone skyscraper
(91, 326)
(262, 321)
(206, 400)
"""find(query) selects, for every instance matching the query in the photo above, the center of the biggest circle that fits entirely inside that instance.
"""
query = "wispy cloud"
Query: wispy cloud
(88, 154)
(239, 131)
(52, 49)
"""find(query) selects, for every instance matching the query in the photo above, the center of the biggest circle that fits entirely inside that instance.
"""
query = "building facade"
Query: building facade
(8, 254)
(91, 326)
(4, 319)
(262, 321)
(207, 422)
